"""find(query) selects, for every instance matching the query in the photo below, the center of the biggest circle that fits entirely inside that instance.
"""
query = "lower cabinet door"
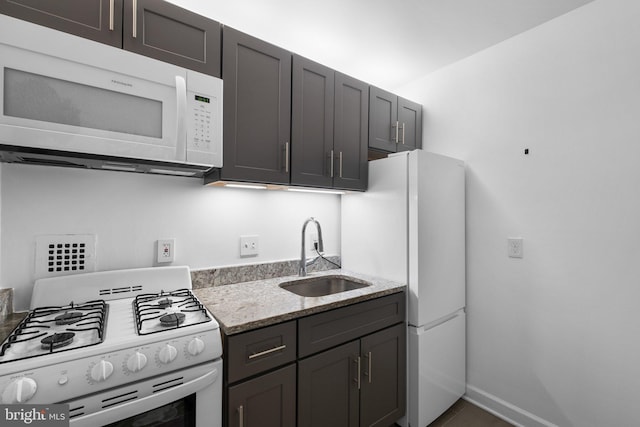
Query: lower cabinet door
(328, 388)
(265, 401)
(383, 388)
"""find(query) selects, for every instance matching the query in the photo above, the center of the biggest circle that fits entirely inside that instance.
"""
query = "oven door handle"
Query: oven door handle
(139, 406)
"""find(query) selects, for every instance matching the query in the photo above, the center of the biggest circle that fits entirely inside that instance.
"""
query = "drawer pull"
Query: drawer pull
(264, 353)
(368, 373)
(240, 416)
(358, 367)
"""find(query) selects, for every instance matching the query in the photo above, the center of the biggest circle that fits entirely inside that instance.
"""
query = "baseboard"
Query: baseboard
(502, 409)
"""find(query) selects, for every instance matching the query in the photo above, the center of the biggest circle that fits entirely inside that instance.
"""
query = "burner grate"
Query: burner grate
(43, 323)
(159, 312)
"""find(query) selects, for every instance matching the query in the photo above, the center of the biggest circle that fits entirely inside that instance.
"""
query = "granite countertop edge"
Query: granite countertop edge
(9, 323)
(250, 305)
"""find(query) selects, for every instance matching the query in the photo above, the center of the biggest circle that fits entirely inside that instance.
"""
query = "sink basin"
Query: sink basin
(322, 286)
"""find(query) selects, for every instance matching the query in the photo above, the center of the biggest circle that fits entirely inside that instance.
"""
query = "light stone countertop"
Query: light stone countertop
(244, 306)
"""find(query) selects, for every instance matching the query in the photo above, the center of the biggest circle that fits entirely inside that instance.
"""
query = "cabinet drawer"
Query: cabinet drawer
(321, 331)
(256, 351)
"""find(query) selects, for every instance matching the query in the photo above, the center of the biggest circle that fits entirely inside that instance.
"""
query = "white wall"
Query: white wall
(129, 212)
(555, 334)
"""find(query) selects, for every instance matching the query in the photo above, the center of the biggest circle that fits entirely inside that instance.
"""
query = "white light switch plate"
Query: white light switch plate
(249, 245)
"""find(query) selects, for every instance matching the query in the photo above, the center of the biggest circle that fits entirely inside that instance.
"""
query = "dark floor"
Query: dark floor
(465, 414)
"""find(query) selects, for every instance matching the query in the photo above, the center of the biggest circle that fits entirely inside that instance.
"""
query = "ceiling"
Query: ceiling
(383, 42)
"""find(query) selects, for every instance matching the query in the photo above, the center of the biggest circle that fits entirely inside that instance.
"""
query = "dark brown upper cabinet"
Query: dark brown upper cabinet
(350, 133)
(99, 20)
(153, 28)
(395, 123)
(312, 154)
(257, 110)
(166, 32)
(329, 128)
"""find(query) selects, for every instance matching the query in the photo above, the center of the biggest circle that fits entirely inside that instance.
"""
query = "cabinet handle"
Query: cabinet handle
(340, 164)
(286, 156)
(396, 128)
(240, 416)
(357, 379)
(111, 6)
(271, 350)
(402, 133)
(331, 174)
(134, 31)
(369, 373)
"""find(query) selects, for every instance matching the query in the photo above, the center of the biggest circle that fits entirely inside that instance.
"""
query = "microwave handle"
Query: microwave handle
(181, 118)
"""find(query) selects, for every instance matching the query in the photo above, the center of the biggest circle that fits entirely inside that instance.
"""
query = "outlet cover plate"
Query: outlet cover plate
(515, 247)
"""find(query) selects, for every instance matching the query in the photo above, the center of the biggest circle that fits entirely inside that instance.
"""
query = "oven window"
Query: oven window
(181, 413)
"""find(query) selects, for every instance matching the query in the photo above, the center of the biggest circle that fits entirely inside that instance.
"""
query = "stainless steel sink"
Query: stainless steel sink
(322, 286)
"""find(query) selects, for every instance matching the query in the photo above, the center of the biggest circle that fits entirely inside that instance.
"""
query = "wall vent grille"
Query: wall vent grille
(61, 255)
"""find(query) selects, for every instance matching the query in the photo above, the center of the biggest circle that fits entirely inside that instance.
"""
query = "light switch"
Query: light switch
(249, 245)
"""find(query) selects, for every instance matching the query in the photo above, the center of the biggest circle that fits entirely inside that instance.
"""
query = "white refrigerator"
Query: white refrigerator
(409, 226)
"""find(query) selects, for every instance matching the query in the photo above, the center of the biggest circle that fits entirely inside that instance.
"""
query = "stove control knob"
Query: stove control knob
(101, 370)
(167, 354)
(195, 346)
(136, 362)
(19, 391)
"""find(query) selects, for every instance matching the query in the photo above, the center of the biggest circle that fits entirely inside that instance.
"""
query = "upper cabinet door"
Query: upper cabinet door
(395, 124)
(166, 32)
(257, 109)
(99, 20)
(410, 119)
(312, 123)
(350, 133)
(383, 120)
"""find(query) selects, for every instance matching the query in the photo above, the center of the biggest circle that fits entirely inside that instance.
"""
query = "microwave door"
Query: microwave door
(53, 103)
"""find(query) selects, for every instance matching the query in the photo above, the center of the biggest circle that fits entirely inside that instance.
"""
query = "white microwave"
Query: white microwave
(64, 99)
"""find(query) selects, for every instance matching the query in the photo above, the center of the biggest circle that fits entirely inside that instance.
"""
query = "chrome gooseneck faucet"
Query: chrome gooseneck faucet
(302, 271)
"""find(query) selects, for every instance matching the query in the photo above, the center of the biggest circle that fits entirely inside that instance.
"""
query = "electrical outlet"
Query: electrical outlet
(515, 247)
(249, 245)
(166, 250)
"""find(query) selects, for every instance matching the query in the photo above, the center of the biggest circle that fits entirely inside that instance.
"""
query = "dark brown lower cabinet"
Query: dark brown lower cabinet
(361, 383)
(383, 389)
(327, 388)
(344, 367)
(265, 401)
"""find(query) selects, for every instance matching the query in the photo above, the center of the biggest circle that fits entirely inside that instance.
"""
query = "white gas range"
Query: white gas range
(118, 346)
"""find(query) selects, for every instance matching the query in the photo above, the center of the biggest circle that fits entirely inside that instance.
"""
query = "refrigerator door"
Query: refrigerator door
(374, 223)
(437, 369)
(436, 237)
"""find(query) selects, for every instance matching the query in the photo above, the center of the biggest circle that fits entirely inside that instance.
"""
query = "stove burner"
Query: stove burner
(173, 319)
(164, 303)
(68, 318)
(57, 340)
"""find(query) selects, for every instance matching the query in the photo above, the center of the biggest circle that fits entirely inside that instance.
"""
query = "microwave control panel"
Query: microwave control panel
(204, 119)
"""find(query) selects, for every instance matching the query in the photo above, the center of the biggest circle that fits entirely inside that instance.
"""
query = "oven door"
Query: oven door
(189, 397)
